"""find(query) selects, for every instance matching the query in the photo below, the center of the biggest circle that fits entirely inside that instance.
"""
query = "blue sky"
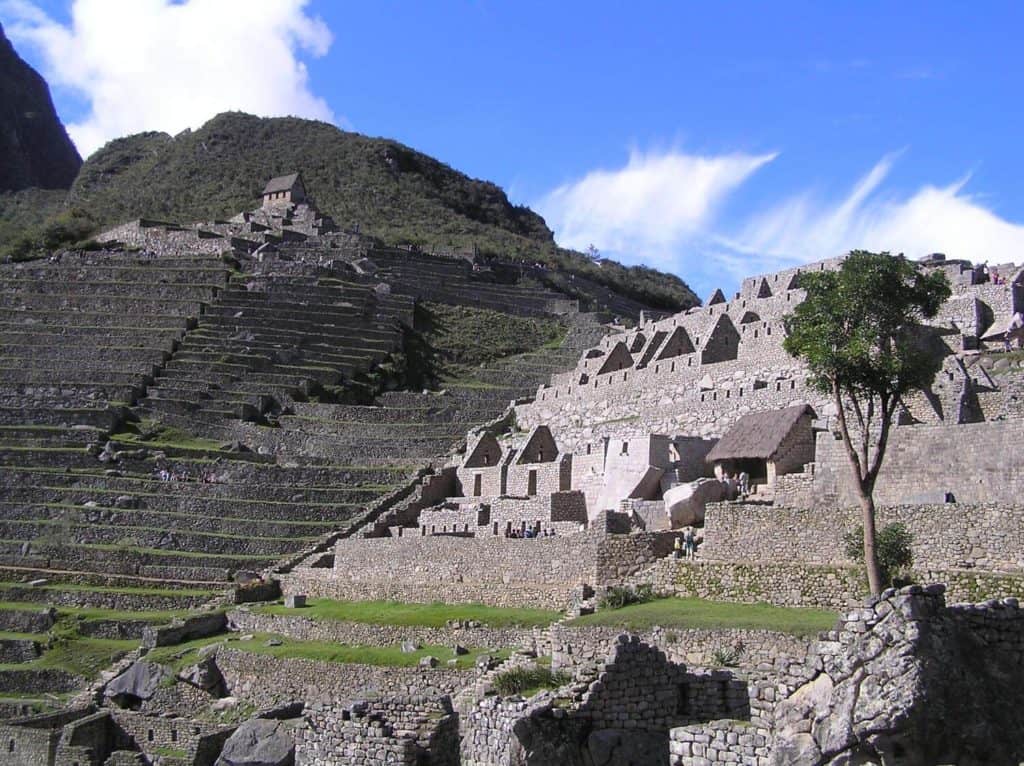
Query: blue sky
(711, 139)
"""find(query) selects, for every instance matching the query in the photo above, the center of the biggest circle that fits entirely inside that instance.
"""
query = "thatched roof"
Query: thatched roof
(281, 183)
(758, 434)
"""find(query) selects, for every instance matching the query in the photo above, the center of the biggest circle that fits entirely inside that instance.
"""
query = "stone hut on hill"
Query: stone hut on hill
(766, 445)
(284, 190)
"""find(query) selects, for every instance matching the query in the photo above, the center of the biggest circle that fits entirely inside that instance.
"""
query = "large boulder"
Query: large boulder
(908, 681)
(259, 742)
(138, 683)
(204, 675)
(685, 503)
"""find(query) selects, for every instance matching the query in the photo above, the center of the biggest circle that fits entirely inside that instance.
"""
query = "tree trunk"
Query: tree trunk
(864, 481)
(867, 508)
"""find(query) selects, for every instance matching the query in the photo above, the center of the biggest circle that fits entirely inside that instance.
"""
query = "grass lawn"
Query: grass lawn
(697, 613)
(186, 654)
(80, 656)
(425, 615)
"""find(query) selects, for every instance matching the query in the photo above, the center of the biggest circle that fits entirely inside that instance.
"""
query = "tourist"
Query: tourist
(691, 543)
(677, 548)
(744, 483)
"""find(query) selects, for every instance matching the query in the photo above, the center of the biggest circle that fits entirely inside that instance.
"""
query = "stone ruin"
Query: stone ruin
(591, 459)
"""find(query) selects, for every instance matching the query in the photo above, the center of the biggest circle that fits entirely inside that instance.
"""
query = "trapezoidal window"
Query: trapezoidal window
(531, 483)
(477, 485)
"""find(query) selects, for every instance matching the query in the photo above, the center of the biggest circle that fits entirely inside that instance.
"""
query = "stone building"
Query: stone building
(284, 190)
(766, 445)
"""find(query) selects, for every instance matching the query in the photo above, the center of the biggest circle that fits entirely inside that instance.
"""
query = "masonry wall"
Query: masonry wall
(267, 681)
(989, 537)
(977, 462)
(537, 572)
(832, 587)
(554, 476)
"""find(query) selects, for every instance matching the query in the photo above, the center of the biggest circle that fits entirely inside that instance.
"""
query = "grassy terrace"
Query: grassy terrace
(72, 587)
(170, 554)
(81, 656)
(186, 654)
(686, 613)
(422, 615)
(311, 525)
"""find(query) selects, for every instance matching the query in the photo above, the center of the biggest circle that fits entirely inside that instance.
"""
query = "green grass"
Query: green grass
(424, 615)
(81, 656)
(712, 615)
(182, 655)
(528, 681)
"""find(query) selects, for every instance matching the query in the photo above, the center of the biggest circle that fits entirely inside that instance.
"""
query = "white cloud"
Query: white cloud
(648, 209)
(163, 65)
(932, 219)
(663, 210)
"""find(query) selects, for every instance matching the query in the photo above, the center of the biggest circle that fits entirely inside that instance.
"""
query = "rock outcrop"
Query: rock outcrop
(35, 147)
(908, 681)
(259, 742)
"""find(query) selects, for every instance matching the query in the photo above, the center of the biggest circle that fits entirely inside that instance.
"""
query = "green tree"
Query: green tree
(859, 332)
(894, 551)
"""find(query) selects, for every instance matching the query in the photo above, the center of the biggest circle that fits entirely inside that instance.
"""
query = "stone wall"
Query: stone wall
(976, 462)
(417, 731)
(811, 585)
(153, 733)
(576, 648)
(628, 707)
(267, 681)
(540, 572)
(951, 535)
(362, 634)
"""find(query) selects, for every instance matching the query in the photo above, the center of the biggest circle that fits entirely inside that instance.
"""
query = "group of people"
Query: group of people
(528, 534)
(685, 545)
(166, 474)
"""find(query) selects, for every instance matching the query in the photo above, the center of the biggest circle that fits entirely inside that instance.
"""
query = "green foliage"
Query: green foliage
(618, 596)
(447, 341)
(893, 547)
(35, 222)
(527, 681)
(728, 656)
(859, 326)
(695, 613)
(393, 193)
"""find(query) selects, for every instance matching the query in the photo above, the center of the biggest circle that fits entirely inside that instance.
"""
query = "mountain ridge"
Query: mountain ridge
(35, 147)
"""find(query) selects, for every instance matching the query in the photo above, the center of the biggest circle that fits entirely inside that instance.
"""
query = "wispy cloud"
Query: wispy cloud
(651, 207)
(932, 219)
(164, 65)
(664, 210)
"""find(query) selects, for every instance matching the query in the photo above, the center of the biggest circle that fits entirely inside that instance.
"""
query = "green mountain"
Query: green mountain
(391, 192)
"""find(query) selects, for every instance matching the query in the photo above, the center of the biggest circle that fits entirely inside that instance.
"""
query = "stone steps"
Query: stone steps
(119, 559)
(148, 517)
(136, 600)
(56, 576)
(66, 393)
(228, 508)
(50, 436)
(103, 418)
(199, 293)
(31, 318)
(159, 537)
(150, 487)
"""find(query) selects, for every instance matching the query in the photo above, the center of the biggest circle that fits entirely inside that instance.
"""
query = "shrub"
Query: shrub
(532, 679)
(892, 544)
(728, 656)
(619, 596)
